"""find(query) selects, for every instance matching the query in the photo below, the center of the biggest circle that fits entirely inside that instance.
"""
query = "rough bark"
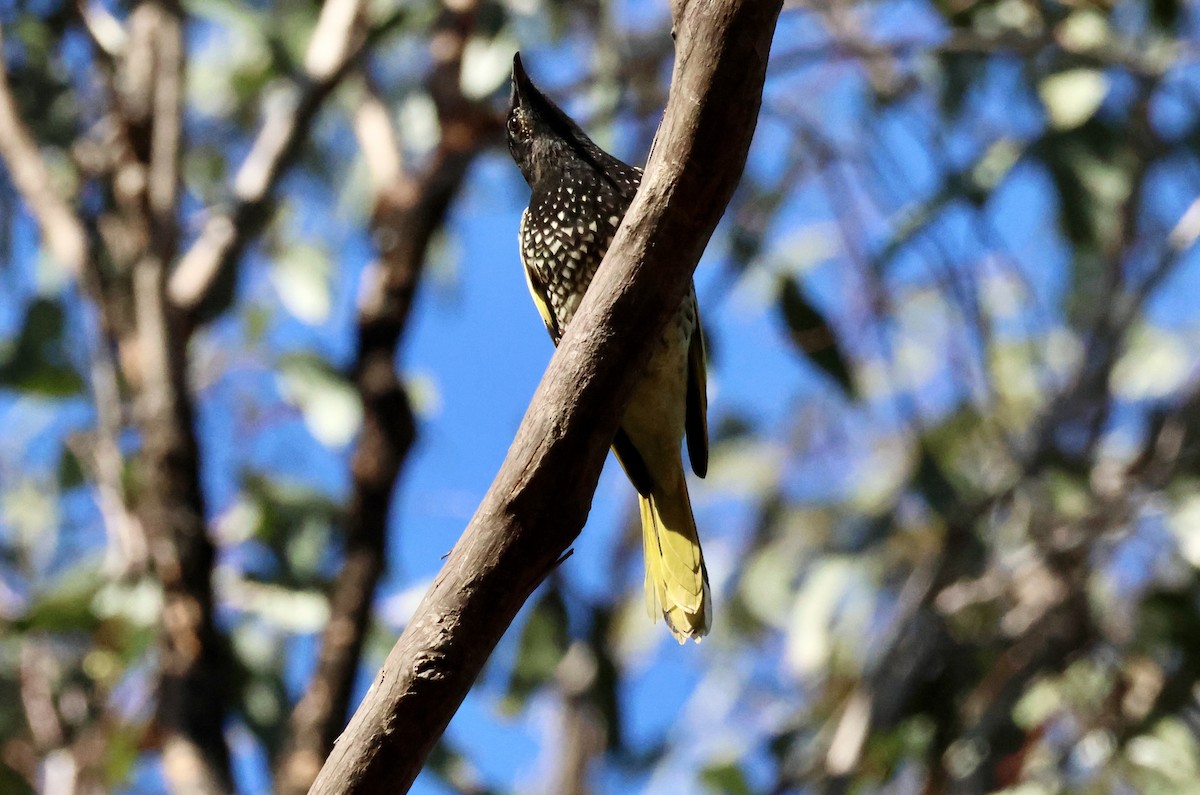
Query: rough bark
(540, 499)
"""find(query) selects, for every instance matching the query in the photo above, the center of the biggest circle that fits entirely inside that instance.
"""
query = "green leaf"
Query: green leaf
(256, 321)
(301, 279)
(1072, 97)
(1084, 30)
(1166, 14)
(29, 515)
(960, 74)
(122, 749)
(604, 693)
(543, 644)
(932, 483)
(768, 585)
(292, 520)
(1093, 168)
(725, 777)
(70, 470)
(812, 335)
(13, 782)
(424, 395)
(66, 605)
(291, 610)
(329, 404)
(450, 765)
(38, 362)
(486, 64)
(1169, 753)
(258, 654)
(749, 466)
(137, 603)
(830, 618)
(1154, 365)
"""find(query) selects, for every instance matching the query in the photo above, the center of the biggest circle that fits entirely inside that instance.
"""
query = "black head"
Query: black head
(542, 139)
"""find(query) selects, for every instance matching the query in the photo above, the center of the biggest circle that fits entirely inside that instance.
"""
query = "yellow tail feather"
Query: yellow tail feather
(676, 580)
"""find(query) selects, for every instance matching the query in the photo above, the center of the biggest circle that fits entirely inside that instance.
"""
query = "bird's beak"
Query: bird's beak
(522, 86)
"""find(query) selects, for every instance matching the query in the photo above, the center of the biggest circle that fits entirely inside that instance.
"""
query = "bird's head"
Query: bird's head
(541, 138)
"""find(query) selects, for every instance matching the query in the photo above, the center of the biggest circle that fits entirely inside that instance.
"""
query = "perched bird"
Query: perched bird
(579, 194)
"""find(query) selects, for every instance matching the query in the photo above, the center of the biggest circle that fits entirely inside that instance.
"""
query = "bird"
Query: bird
(578, 195)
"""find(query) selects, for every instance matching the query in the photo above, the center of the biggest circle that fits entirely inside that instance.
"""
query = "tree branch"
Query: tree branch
(541, 496)
(193, 675)
(170, 502)
(582, 729)
(337, 43)
(66, 238)
(407, 212)
(62, 231)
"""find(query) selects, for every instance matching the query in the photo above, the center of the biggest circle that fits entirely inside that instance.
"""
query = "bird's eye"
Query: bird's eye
(516, 128)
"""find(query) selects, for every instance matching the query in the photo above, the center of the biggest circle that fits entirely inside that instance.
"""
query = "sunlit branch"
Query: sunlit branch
(108, 35)
(339, 40)
(378, 141)
(62, 231)
(99, 453)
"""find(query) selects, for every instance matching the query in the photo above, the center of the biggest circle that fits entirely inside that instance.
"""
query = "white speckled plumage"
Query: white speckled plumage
(579, 194)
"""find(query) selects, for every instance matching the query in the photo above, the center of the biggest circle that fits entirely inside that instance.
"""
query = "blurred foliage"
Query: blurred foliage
(957, 548)
(37, 362)
(810, 333)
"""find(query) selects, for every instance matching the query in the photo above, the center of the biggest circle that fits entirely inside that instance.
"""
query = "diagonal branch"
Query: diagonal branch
(538, 503)
(62, 231)
(407, 212)
(336, 46)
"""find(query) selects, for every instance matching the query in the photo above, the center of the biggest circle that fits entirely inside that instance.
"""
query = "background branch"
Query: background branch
(337, 43)
(407, 212)
(194, 668)
(61, 228)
